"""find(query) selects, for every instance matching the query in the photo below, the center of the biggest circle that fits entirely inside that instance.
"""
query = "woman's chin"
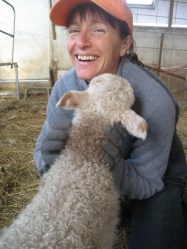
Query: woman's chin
(85, 75)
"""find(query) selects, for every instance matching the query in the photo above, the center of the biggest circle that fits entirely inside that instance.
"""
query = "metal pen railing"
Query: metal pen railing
(12, 64)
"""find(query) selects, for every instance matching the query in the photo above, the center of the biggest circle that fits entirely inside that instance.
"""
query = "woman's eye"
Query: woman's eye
(98, 30)
(73, 30)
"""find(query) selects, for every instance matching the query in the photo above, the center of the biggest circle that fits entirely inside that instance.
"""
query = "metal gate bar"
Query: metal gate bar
(12, 64)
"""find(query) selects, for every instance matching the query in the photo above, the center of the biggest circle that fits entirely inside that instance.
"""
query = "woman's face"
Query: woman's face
(94, 46)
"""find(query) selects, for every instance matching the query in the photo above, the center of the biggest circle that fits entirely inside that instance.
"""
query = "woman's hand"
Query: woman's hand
(54, 141)
(117, 146)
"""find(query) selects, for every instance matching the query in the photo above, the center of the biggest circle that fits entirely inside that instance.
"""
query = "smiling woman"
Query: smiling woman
(94, 42)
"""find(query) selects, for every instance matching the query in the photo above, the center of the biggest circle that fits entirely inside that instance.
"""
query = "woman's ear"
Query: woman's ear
(72, 99)
(126, 43)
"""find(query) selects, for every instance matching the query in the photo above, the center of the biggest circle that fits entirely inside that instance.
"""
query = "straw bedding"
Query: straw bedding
(20, 124)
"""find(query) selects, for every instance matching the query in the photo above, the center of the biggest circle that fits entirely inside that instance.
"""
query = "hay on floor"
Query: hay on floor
(20, 124)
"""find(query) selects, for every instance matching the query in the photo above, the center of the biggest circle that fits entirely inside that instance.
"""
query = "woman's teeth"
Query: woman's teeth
(86, 58)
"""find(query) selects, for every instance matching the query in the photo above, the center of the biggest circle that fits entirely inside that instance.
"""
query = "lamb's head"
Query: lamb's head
(109, 96)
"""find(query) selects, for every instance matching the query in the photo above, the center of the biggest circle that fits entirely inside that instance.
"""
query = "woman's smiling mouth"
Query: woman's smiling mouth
(86, 58)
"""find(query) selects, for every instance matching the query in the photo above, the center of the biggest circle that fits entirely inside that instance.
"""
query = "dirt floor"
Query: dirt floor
(20, 125)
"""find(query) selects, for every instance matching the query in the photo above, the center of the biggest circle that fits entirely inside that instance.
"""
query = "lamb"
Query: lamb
(77, 204)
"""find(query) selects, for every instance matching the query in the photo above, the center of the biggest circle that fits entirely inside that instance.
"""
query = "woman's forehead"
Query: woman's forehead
(91, 21)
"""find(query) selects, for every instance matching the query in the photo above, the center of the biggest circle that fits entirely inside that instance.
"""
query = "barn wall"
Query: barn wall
(36, 48)
(32, 46)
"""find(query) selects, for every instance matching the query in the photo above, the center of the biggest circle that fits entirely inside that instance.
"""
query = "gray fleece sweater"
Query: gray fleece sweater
(159, 157)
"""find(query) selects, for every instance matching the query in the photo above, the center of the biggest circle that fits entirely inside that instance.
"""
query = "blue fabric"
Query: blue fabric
(158, 222)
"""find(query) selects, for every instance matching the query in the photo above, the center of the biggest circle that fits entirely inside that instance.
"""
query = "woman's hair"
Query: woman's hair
(83, 9)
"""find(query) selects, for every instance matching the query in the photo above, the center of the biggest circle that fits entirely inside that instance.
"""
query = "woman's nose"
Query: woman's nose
(83, 40)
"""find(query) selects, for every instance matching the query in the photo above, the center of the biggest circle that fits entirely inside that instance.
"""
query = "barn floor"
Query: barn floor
(20, 125)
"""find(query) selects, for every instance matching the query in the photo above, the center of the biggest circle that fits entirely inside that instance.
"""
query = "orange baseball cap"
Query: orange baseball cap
(118, 8)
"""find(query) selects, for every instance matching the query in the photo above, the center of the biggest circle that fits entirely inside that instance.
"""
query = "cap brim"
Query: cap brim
(61, 9)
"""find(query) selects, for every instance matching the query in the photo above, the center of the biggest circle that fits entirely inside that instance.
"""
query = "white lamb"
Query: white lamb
(76, 206)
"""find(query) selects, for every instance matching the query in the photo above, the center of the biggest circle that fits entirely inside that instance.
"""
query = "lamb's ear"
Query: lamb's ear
(72, 99)
(134, 124)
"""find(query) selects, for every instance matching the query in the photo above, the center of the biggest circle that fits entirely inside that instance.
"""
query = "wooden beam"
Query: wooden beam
(52, 24)
(167, 72)
(161, 50)
(170, 19)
